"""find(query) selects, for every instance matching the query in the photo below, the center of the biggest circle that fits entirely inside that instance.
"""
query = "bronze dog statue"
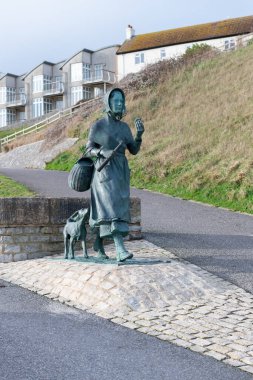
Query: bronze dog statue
(75, 230)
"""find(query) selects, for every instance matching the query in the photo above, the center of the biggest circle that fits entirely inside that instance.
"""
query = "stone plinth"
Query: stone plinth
(32, 227)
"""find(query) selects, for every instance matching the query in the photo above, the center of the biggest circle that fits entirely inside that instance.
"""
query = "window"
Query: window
(10, 94)
(48, 105)
(98, 92)
(2, 95)
(2, 118)
(230, 44)
(47, 81)
(79, 93)
(7, 94)
(59, 104)
(76, 94)
(76, 72)
(59, 84)
(22, 94)
(139, 58)
(37, 83)
(86, 71)
(162, 54)
(42, 106)
(86, 93)
(11, 116)
(98, 71)
(21, 116)
(37, 107)
(7, 117)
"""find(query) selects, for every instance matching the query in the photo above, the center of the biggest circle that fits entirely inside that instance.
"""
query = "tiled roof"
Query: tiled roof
(201, 32)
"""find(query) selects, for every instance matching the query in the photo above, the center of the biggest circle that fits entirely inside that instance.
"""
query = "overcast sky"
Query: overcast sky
(33, 31)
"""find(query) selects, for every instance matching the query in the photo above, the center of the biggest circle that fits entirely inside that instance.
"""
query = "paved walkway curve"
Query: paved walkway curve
(45, 340)
(177, 302)
(156, 294)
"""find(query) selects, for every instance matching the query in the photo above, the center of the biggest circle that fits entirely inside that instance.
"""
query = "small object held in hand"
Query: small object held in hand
(139, 126)
(110, 157)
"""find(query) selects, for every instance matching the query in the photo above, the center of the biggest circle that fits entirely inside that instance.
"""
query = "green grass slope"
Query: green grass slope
(198, 132)
(10, 188)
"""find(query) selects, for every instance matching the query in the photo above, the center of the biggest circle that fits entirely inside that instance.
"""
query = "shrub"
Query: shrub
(250, 42)
(197, 49)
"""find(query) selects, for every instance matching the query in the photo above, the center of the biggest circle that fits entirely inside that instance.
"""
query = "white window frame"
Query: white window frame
(47, 105)
(3, 95)
(98, 71)
(37, 107)
(10, 116)
(229, 44)
(7, 94)
(10, 94)
(21, 116)
(59, 104)
(58, 83)
(37, 83)
(86, 93)
(139, 58)
(162, 54)
(76, 72)
(76, 94)
(3, 118)
(47, 82)
(86, 71)
(22, 96)
(98, 91)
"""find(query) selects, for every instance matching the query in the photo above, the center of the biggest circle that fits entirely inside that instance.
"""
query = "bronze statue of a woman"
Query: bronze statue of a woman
(110, 187)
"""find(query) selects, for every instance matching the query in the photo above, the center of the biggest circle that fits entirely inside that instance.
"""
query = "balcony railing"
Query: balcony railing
(16, 100)
(54, 88)
(100, 76)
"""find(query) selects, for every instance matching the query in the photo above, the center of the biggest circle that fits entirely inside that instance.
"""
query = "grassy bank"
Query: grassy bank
(197, 144)
(10, 131)
(10, 188)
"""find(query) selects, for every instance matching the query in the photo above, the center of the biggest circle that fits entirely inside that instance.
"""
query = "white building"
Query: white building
(50, 87)
(54, 86)
(89, 74)
(12, 99)
(139, 50)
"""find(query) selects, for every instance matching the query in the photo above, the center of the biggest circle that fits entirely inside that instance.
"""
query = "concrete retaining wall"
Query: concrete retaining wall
(32, 227)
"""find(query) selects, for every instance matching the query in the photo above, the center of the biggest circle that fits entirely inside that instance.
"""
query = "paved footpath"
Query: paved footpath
(157, 294)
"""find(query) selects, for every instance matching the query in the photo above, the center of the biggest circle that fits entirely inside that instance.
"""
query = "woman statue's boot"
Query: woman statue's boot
(121, 253)
(98, 246)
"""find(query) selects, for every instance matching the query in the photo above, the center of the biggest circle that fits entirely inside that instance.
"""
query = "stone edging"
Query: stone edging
(32, 227)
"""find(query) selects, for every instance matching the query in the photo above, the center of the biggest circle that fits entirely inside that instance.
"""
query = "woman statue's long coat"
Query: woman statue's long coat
(110, 188)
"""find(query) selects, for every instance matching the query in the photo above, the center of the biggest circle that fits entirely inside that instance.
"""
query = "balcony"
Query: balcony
(16, 101)
(99, 77)
(52, 89)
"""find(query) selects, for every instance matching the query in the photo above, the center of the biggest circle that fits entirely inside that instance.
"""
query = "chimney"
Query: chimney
(130, 32)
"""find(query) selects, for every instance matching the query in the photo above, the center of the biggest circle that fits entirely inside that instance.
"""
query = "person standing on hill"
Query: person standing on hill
(110, 187)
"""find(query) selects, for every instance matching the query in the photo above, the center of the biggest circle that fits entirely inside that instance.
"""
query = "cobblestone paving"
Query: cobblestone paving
(175, 301)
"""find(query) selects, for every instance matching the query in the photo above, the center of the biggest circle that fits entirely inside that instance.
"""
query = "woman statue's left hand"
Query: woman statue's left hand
(139, 126)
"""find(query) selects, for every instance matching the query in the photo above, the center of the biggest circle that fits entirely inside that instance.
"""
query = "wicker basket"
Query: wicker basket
(80, 176)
